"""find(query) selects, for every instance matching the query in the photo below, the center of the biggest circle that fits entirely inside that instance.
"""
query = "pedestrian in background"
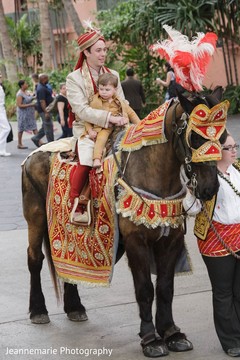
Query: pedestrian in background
(222, 258)
(44, 98)
(170, 80)
(25, 112)
(4, 124)
(63, 111)
(133, 92)
(35, 81)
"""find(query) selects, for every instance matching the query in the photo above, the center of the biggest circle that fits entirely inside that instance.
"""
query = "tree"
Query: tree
(9, 58)
(134, 25)
(227, 21)
(73, 16)
(46, 35)
(25, 40)
(2, 67)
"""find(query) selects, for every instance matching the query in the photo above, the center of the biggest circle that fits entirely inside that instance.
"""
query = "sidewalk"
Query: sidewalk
(113, 323)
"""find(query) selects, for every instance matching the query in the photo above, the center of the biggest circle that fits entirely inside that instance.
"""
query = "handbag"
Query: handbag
(10, 135)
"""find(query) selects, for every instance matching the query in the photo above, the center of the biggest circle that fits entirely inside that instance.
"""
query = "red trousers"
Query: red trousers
(78, 179)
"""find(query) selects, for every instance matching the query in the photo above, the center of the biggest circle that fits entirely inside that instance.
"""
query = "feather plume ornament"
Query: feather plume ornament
(189, 59)
(88, 25)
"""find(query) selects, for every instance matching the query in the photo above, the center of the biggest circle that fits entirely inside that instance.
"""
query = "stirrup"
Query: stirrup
(78, 218)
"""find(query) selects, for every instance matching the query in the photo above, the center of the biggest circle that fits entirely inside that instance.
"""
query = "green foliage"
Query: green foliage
(232, 93)
(57, 77)
(127, 27)
(10, 90)
(134, 25)
(188, 16)
(25, 39)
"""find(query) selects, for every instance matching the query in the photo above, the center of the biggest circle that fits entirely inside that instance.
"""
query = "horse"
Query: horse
(155, 169)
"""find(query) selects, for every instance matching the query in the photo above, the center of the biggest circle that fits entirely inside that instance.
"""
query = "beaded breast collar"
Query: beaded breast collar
(228, 181)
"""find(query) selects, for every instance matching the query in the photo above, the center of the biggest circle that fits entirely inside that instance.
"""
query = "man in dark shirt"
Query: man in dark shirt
(44, 98)
(133, 91)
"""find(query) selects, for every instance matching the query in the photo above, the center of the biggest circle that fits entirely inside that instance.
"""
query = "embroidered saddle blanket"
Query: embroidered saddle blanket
(82, 254)
(149, 131)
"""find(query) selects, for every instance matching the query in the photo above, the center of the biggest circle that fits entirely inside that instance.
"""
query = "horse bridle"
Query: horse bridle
(181, 147)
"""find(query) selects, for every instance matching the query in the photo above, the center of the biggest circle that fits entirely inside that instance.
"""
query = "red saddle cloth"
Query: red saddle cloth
(82, 254)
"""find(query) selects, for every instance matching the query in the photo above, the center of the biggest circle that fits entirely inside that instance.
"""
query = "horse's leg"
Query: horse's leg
(72, 303)
(37, 307)
(139, 262)
(166, 252)
(34, 195)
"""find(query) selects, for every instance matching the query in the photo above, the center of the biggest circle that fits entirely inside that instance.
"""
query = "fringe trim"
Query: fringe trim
(84, 283)
(148, 212)
(135, 147)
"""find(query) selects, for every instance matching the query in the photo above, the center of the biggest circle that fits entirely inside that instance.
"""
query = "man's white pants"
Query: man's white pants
(4, 129)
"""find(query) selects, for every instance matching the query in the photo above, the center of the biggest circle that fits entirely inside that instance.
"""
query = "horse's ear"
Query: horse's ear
(218, 92)
(185, 103)
(215, 97)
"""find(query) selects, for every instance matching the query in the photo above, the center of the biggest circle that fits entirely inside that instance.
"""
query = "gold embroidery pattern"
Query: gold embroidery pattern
(201, 223)
(210, 124)
(151, 213)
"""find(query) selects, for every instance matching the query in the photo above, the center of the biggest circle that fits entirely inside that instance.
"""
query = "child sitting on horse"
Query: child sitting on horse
(104, 99)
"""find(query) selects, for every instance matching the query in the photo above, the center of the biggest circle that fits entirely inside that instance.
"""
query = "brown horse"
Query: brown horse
(154, 169)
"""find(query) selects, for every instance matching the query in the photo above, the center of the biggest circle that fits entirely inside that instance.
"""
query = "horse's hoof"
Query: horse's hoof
(77, 316)
(155, 349)
(40, 319)
(179, 345)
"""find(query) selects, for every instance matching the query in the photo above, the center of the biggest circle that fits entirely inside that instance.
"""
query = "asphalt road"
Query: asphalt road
(113, 325)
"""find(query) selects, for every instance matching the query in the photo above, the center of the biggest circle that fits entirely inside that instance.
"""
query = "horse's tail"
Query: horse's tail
(28, 178)
(55, 279)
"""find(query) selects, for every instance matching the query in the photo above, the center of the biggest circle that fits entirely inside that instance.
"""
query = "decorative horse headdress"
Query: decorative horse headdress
(210, 124)
(189, 59)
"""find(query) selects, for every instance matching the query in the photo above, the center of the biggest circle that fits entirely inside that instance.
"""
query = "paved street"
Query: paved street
(113, 325)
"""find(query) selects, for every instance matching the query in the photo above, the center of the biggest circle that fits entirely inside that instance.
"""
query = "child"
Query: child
(105, 99)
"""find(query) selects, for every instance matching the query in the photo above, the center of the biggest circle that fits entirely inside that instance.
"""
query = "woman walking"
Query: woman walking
(25, 112)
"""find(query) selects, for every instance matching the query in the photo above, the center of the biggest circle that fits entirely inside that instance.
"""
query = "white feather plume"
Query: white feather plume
(188, 58)
(89, 26)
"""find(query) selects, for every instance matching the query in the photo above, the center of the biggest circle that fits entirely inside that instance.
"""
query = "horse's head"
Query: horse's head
(203, 133)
